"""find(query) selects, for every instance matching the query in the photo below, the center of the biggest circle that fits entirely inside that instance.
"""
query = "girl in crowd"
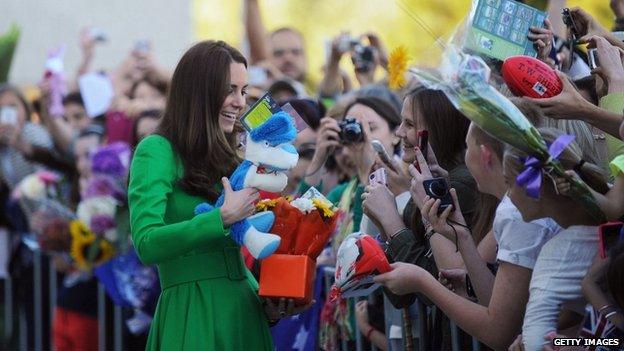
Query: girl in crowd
(576, 248)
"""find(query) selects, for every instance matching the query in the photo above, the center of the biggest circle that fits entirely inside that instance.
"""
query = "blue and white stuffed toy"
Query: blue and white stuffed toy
(269, 154)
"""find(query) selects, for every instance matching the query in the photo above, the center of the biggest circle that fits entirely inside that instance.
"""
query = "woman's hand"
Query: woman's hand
(283, 309)
(380, 206)
(361, 315)
(418, 177)
(327, 138)
(586, 24)
(398, 178)
(610, 69)
(404, 278)
(454, 280)
(237, 205)
(542, 38)
(567, 105)
(440, 222)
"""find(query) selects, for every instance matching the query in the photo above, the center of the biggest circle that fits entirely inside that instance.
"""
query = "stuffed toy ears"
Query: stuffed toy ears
(278, 129)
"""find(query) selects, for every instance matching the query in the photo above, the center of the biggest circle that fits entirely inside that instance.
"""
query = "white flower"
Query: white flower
(111, 235)
(96, 206)
(303, 205)
(32, 187)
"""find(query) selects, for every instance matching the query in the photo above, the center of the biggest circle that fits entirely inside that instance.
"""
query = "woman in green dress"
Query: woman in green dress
(209, 299)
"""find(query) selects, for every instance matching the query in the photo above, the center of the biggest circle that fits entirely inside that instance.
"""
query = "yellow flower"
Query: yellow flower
(397, 66)
(324, 207)
(266, 204)
(82, 241)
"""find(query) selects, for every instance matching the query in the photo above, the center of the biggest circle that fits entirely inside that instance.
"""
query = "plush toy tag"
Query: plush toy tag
(312, 194)
(260, 112)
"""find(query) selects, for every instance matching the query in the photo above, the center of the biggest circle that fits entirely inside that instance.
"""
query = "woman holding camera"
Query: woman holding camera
(365, 119)
(209, 299)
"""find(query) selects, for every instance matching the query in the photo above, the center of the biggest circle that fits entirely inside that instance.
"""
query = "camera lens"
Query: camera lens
(438, 188)
(351, 131)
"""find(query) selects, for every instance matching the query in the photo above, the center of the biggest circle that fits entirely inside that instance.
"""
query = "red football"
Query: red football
(528, 76)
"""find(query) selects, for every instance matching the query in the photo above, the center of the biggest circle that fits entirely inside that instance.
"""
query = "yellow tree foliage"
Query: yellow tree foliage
(321, 20)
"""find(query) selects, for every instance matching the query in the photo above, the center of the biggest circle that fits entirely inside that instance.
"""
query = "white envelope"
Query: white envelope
(97, 93)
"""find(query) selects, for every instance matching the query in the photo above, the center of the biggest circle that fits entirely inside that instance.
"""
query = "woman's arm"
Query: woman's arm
(152, 178)
(496, 325)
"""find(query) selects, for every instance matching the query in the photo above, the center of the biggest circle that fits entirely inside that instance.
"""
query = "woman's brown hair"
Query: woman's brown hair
(446, 125)
(190, 122)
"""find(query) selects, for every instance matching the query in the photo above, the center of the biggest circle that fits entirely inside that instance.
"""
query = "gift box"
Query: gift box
(304, 226)
(288, 276)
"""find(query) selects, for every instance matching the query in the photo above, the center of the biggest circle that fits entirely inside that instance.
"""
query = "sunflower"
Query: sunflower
(83, 242)
(266, 204)
(324, 207)
(397, 66)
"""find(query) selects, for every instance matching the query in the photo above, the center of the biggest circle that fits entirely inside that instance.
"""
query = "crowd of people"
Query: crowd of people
(512, 270)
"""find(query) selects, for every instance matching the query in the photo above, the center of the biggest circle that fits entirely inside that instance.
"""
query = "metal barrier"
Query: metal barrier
(113, 340)
(37, 335)
(455, 340)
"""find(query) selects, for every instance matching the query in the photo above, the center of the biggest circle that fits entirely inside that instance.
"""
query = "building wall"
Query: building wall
(47, 23)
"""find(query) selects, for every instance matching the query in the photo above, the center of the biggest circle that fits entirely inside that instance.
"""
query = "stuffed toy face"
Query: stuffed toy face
(272, 154)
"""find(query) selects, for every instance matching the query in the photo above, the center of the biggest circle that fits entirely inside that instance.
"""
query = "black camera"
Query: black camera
(437, 188)
(363, 58)
(350, 131)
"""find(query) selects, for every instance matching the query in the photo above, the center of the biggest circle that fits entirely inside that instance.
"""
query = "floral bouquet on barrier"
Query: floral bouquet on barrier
(304, 225)
(464, 80)
(101, 228)
(48, 218)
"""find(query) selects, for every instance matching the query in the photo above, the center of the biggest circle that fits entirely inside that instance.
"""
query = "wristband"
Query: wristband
(611, 314)
(429, 234)
(605, 308)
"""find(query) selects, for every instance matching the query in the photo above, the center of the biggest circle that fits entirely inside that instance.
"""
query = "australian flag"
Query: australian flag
(300, 332)
(596, 326)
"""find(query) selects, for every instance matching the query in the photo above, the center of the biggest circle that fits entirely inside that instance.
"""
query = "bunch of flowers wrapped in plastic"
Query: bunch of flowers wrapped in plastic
(464, 80)
(100, 228)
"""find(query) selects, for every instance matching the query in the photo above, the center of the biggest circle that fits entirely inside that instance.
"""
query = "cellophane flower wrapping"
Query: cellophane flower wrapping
(464, 80)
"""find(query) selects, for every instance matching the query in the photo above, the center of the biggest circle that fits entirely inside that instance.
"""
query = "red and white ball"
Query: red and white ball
(528, 76)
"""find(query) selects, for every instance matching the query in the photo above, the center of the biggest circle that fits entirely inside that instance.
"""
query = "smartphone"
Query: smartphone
(381, 152)
(378, 177)
(610, 234)
(8, 115)
(592, 56)
(142, 46)
(98, 34)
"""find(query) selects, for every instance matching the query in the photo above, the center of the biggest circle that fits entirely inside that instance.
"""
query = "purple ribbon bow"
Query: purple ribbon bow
(531, 177)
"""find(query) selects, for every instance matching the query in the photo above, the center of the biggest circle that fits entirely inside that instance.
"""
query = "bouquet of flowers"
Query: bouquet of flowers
(101, 226)
(464, 80)
(304, 225)
(48, 218)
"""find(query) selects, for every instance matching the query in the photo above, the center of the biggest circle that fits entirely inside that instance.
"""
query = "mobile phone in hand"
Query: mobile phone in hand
(8, 115)
(609, 235)
(381, 152)
(378, 177)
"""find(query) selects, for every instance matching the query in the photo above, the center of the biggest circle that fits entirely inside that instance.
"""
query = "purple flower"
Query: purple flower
(100, 185)
(100, 224)
(112, 160)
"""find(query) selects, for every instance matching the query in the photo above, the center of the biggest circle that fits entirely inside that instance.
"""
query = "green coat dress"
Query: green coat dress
(209, 299)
